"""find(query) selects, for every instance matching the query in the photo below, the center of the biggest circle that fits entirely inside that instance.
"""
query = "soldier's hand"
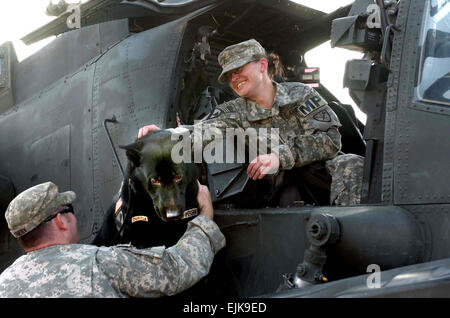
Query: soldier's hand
(263, 165)
(146, 129)
(204, 201)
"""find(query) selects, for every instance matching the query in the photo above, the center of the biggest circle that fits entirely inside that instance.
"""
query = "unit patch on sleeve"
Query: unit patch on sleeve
(139, 218)
(311, 104)
(216, 113)
(322, 116)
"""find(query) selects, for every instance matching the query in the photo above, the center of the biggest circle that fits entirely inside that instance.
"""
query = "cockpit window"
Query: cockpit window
(434, 68)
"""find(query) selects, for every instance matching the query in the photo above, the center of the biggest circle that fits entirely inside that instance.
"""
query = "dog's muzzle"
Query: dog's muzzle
(172, 214)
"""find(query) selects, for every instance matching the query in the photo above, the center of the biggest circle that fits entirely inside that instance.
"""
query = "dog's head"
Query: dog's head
(172, 186)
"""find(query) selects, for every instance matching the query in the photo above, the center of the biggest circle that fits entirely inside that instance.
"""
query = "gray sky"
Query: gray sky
(20, 17)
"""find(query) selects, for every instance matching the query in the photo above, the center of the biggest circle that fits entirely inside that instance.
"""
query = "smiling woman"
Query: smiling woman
(308, 127)
(252, 81)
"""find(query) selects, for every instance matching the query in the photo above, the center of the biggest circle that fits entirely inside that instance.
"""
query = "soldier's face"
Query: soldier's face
(246, 79)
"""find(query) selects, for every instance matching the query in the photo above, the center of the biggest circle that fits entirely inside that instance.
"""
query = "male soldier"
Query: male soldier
(55, 265)
(309, 141)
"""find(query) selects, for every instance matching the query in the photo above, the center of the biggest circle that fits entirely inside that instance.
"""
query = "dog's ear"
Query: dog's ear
(133, 152)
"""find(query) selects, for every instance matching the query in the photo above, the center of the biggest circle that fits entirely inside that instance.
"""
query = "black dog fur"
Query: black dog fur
(150, 163)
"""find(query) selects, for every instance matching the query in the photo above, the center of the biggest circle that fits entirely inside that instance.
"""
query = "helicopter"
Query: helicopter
(117, 65)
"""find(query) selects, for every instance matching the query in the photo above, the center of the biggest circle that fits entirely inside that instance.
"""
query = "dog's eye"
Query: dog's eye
(155, 181)
(177, 179)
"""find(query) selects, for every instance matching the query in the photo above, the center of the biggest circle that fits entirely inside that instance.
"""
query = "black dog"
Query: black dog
(156, 199)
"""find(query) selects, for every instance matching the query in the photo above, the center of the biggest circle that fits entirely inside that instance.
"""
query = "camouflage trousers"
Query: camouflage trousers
(337, 181)
(347, 173)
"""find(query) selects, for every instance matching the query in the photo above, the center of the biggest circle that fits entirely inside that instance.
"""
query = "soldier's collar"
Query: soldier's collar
(256, 112)
(282, 97)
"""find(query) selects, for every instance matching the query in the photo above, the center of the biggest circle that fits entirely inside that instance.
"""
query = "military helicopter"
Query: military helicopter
(65, 109)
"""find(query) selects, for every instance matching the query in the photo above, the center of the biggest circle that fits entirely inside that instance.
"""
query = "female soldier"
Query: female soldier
(308, 129)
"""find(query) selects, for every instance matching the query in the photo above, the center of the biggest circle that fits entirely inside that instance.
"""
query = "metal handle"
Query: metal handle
(113, 120)
(387, 33)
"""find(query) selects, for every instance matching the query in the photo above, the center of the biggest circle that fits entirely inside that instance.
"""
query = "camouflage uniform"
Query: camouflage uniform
(76, 270)
(308, 127)
(347, 172)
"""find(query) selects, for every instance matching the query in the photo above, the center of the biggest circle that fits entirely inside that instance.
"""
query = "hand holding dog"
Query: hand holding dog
(204, 201)
(262, 165)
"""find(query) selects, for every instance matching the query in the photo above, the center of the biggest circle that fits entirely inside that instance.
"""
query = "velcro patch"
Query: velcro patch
(311, 104)
(228, 109)
(118, 220)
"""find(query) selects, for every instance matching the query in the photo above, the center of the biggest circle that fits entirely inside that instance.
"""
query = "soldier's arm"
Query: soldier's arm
(307, 149)
(160, 271)
(321, 140)
(224, 116)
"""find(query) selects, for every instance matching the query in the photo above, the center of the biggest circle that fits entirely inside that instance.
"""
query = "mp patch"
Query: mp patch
(311, 104)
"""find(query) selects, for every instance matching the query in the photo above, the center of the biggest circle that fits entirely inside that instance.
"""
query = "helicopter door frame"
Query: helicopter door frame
(416, 138)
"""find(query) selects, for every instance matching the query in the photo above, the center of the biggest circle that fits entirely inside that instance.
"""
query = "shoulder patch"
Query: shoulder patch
(323, 116)
(221, 111)
(313, 103)
(216, 113)
(118, 214)
(119, 205)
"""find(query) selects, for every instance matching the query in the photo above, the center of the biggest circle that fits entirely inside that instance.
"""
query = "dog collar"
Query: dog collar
(189, 213)
(119, 216)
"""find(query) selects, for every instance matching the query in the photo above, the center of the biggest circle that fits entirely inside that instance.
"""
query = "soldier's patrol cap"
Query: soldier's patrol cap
(30, 208)
(237, 55)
